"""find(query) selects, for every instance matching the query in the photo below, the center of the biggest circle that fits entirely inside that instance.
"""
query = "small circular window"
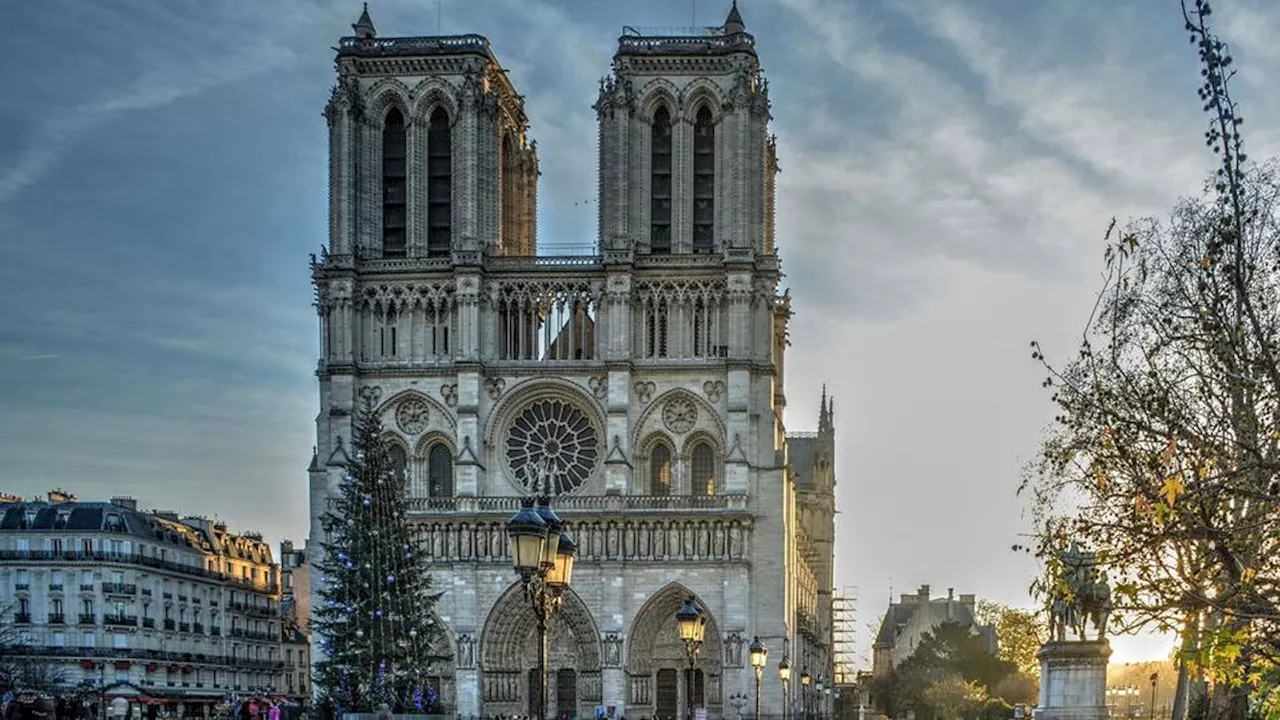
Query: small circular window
(552, 447)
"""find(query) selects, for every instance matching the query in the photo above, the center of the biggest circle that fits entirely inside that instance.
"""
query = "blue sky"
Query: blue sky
(948, 170)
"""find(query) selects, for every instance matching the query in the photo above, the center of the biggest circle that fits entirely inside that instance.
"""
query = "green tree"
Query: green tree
(1020, 632)
(1166, 448)
(378, 638)
(950, 674)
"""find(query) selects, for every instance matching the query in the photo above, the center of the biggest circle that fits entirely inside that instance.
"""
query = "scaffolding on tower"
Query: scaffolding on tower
(844, 635)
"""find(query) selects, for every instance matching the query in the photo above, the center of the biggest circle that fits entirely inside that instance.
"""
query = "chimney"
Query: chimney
(924, 593)
(968, 601)
(951, 599)
(125, 501)
(166, 515)
(908, 599)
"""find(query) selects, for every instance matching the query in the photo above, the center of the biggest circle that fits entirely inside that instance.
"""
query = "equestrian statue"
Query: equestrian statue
(1080, 595)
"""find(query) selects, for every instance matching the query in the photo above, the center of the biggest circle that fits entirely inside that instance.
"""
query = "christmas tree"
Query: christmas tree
(377, 636)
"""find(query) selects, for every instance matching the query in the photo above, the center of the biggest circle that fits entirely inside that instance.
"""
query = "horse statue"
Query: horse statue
(1082, 596)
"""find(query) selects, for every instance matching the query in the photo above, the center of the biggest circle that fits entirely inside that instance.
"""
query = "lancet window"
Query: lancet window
(704, 181)
(394, 189)
(660, 183)
(660, 470)
(439, 184)
(399, 462)
(439, 471)
(680, 320)
(702, 470)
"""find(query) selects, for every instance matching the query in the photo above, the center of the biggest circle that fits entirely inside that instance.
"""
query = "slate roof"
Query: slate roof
(800, 457)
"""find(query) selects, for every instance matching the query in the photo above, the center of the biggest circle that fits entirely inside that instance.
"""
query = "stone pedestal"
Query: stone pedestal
(1073, 680)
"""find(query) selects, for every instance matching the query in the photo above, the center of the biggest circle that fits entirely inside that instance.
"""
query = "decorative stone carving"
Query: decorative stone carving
(714, 390)
(552, 446)
(371, 393)
(733, 650)
(466, 652)
(449, 393)
(599, 386)
(495, 386)
(412, 415)
(336, 411)
(612, 650)
(680, 415)
(644, 391)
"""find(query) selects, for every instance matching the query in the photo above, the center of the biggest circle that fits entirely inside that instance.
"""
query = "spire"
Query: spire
(364, 26)
(824, 412)
(733, 24)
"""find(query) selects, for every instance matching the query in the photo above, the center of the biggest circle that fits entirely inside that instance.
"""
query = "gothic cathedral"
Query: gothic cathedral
(641, 386)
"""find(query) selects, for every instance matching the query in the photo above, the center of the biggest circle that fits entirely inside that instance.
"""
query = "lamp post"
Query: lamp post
(759, 656)
(1155, 676)
(784, 674)
(817, 697)
(805, 679)
(692, 624)
(738, 701)
(542, 553)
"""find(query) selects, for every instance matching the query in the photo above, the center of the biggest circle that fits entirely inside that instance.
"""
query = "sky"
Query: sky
(948, 171)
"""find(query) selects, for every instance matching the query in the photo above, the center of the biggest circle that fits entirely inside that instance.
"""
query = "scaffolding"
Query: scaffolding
(844, 635)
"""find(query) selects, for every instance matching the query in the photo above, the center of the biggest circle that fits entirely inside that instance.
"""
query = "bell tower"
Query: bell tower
(686, 161)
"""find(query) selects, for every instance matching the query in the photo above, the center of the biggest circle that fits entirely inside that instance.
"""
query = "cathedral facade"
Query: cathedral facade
(641, 386)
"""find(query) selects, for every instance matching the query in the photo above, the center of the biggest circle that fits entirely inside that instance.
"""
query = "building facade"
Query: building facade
(641, 387)
(907, 621)
(146, 605)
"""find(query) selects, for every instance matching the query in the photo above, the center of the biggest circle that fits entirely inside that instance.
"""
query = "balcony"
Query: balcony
(20, 587)
(148, 622)
(114, 588)
(120, 620)
(215, 631)
(22, 618)
(57, 619)
(581, 504)
(86, 587)
(197, 628)
(146, 592)
(169, 624)
(87, 619)
(55, 587)
(182, 598)
(166, 595)
(184, 627)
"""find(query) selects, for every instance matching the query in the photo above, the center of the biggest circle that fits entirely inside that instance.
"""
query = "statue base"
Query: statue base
(1073, 680)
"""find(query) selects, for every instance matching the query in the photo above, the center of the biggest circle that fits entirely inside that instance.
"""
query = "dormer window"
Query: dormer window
(394, 190)
(660, 183)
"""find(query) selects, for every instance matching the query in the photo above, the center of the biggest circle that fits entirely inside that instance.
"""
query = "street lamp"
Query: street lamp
(817, 697)
(1155, 676)
(692, 624)
(784, 674)
(542, 553)
(759, 656)
(805, 679)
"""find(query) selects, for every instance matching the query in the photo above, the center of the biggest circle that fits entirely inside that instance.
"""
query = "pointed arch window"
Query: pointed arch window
(704, 181)
(703, 470)
(394, 190)
(439, 184)
(399, 461)
(660, 471)
(660, 183)
(439, 471)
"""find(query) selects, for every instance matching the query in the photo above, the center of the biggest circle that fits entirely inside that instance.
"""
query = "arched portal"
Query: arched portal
(658, 666)
(509, 657)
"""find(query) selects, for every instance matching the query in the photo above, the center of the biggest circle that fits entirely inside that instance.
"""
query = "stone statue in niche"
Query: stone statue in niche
(733, 650)
(612, 650)
(466, 652)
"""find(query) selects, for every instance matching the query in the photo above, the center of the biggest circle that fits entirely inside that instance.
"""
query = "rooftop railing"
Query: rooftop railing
(582, 504)
(131, 559)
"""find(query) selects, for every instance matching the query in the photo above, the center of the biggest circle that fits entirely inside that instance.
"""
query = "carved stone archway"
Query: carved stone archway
(655, 650)
(509, 657)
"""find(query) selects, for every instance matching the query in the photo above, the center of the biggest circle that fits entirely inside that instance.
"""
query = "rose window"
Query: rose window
(552, 447)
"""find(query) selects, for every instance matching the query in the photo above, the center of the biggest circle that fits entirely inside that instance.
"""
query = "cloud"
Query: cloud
(34, 358)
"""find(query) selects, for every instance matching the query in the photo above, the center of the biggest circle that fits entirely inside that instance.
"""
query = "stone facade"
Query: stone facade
(180, 610)
(642, 385)
(906, 623)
